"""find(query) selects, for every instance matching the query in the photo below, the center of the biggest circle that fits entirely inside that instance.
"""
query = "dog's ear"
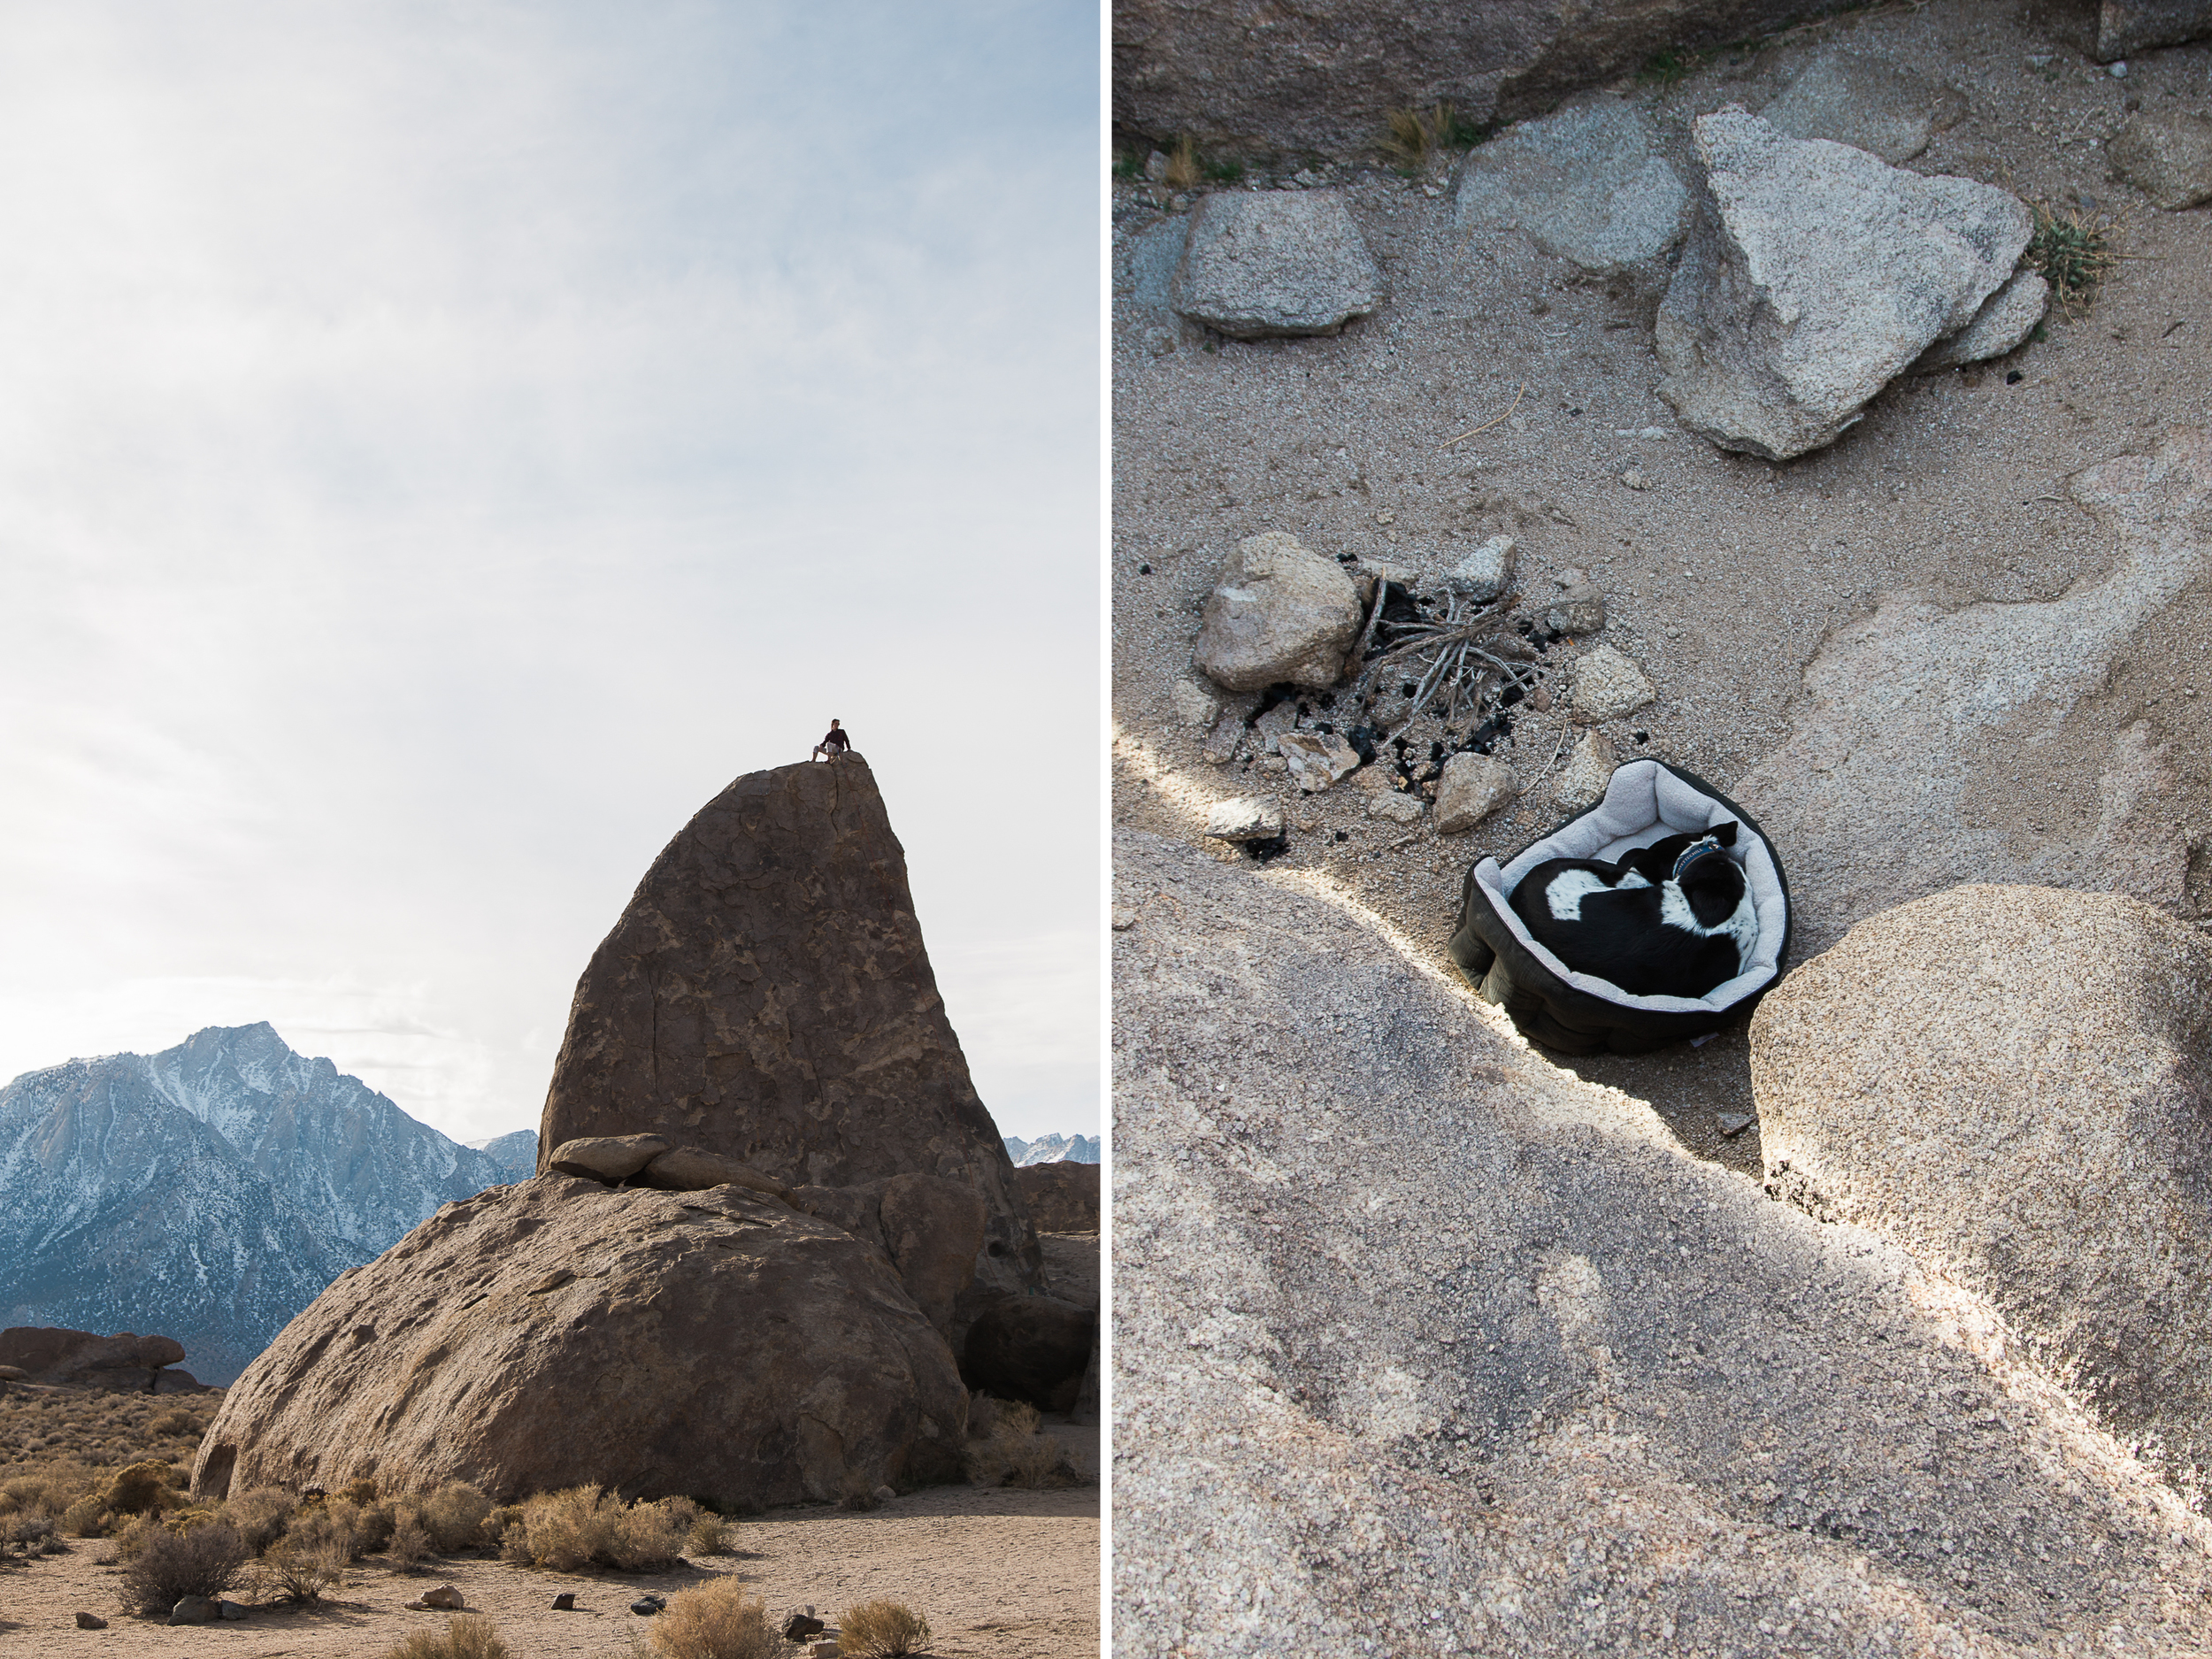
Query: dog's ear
(1725, 834)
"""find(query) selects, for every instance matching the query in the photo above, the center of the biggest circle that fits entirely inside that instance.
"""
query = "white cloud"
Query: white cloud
(440, 449)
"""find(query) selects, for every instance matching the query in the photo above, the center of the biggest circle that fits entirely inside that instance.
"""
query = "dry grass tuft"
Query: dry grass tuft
(465, 1636)
(709, 1535)
(881, 1630)
(1013, 1450)
(716, 1621)
(1182, 166)
(584, 1527)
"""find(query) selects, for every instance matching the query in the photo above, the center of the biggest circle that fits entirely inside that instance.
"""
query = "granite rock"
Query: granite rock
(2168, 156)
(716, 1344)
(1607, 685)
(1815, 275)
(1278, 612)
(2007, 319)
(767, 997)
(1566, 1388)
(1472, 788)
(2014, 1084)
(1589, 183)
(1262, 263)
(1888, 111)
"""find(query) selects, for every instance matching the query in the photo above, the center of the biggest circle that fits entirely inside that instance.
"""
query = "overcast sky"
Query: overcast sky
(442, 444)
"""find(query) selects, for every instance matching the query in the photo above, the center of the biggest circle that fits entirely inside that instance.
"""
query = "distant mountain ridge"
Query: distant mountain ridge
(208, 1192)
(1053, 1150)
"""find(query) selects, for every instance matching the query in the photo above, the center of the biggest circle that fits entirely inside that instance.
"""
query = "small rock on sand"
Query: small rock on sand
(1263, 262)
(91, 1621)
(1607, 685)
(1580, 607)
(1278, 612)
(1249, 817)
(1581, 781)
(1485, 572)
(1396, 807)
(1318, 760)
(2167, 156)
(1195, 704)
(1473, 786)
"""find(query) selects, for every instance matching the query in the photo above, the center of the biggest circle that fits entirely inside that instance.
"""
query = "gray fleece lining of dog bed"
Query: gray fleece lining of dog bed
(1645, 803)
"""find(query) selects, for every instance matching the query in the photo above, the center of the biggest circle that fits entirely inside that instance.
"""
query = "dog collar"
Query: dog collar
(1690, 853)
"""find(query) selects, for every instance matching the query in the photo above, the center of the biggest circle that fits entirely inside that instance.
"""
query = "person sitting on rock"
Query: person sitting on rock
(831, 746)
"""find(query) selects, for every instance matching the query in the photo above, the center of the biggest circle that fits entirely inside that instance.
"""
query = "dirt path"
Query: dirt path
(1000, 1574)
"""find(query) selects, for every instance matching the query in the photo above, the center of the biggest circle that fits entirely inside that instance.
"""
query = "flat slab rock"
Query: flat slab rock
(2011, 1082)
(1589, 183)
(1904, 774)
(1568, 1379)
(558, 1332)
(1889, 112)
(766, 996)
(1259, 264)
(1815, 275)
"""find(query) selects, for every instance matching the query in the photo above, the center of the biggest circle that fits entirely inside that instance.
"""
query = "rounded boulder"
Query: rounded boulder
(557, 1333)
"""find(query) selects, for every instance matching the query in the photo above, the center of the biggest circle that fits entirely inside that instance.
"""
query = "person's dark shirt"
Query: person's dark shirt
(837, 739)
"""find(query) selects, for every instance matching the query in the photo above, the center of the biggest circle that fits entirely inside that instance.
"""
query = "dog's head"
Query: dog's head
(1712, 883)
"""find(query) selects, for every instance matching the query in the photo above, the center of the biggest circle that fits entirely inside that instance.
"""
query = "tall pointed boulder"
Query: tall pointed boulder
(766, 996)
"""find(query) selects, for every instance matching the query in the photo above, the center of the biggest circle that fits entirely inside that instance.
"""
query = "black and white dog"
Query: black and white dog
(1674, 918)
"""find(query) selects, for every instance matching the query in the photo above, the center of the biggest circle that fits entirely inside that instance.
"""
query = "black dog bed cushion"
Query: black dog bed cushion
(1552, 1004)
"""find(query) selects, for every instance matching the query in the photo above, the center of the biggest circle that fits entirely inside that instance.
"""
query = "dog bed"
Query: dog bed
(1579, 1013)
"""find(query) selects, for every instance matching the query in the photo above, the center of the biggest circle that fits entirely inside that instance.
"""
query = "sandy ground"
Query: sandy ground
(1000, 1574)
(1725, 577)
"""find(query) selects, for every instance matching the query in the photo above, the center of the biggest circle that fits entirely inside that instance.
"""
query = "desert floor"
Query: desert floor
(1000, 1573)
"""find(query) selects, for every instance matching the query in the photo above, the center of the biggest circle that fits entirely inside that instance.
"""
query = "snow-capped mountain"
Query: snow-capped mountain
(1052, 1149)
(516, 1153)
(209, 1192)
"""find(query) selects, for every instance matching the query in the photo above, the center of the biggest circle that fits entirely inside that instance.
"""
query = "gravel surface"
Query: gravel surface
(1724, 575)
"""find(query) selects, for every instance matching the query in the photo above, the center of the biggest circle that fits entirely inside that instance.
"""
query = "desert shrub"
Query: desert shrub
(881, 1630)
(169, 1565)
(261, 1516)
(361, 1493)
(465, 1636)
(52, 1487)
(410, 1546)
(454, 1516)
(500, 1520)
(175, 1422)
(1013, 1450)
(87, 1517)
(301, 1575)
(584, 1527)
(709, 1535)
(716, 1621)
(140, 1487)
(327, 1526)
(858, 1492)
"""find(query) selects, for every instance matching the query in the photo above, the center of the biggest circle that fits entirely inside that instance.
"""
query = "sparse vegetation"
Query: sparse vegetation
(1417, 137)
(1665, 68)
(299, 1572)
(172, 1564)
(1182, 166)
(881, 1630)
(261, 1516)
(709, 1535)
(62, 1452)
(1011, 1449)
(2074, 252)
(465, 1636)
(716, 1621)
(583, 1526)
